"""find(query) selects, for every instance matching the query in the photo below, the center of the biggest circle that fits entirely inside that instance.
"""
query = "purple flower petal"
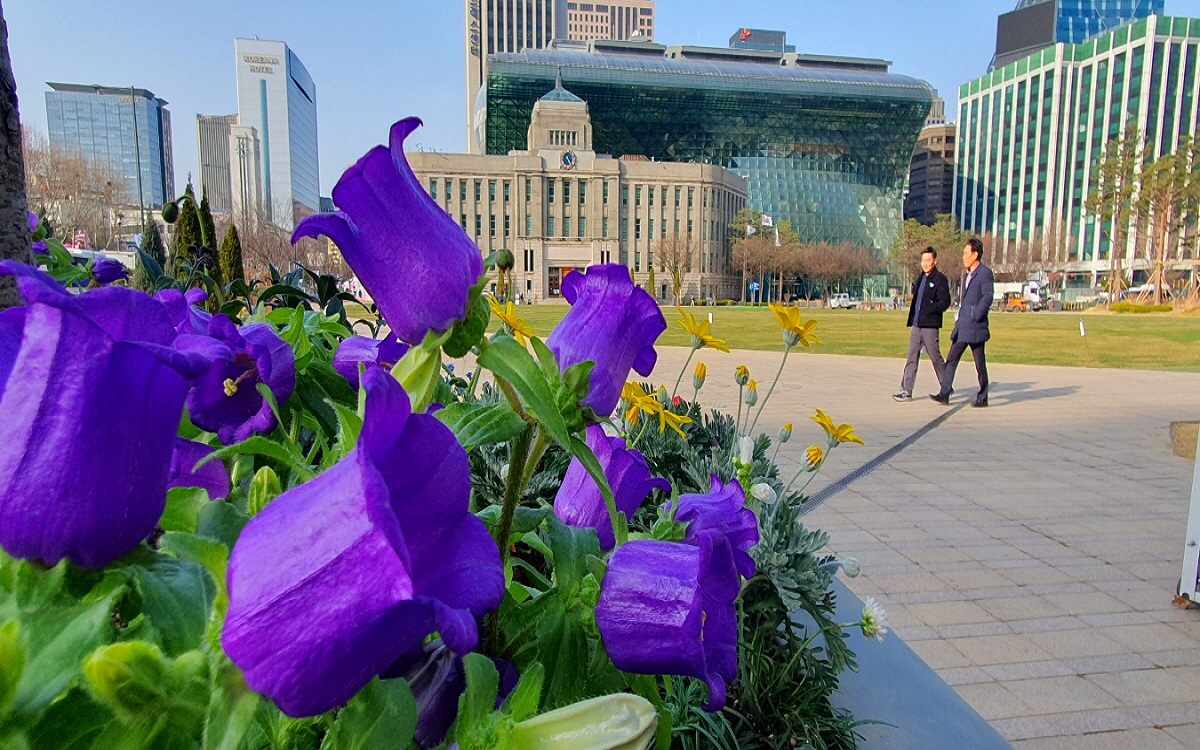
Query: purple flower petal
(325, 595)
(33, 220)
(388, 222)
(612, 323)
(579, 502)
(358, 350)
(723, 510)
(87, 382)
(183, 311)
(668, 608)
(225, 398)
(108, 270)
(211, 477)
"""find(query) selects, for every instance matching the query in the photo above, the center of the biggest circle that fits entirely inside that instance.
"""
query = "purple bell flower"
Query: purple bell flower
(210, 477)
(415, 261)
(612, 323)
(339, 577)
(225, 399)
(723, 510)
(90, 399)
(181, 306)
(33, 221)
(668, 608)
(362, 350)
(579, 502)
(107, 270)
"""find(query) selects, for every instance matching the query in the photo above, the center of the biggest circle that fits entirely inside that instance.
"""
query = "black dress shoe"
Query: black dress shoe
(944, 400)
(979, 403)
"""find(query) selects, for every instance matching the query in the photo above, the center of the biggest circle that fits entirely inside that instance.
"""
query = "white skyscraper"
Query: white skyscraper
(278, 99)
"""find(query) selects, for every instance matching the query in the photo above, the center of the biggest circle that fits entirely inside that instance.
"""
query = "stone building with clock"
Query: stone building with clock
(560, 206)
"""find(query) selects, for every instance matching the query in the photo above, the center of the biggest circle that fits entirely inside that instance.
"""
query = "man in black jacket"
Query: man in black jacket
(931, 298)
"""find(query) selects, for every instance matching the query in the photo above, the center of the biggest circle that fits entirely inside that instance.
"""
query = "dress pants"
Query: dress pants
(957, 349)
(927, 338)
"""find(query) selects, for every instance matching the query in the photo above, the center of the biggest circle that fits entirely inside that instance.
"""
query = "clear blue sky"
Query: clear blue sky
(375, 61)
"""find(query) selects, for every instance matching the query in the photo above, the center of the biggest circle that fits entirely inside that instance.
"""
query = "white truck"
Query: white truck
(842, 300)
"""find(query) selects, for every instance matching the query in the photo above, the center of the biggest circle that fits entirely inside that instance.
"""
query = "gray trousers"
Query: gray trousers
(927, 338)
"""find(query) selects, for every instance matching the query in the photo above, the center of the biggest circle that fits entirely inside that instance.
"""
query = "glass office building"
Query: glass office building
(822, 142)
(1030, 134)
(1036, 24)
(125, 129)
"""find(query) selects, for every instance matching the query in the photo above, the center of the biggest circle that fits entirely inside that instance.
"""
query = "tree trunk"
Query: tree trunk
(14, 215)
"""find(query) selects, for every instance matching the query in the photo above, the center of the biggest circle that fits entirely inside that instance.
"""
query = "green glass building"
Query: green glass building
(1030, 134)
(823, 142)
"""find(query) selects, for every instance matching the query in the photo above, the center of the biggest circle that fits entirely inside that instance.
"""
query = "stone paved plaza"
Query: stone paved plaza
(1028, 552)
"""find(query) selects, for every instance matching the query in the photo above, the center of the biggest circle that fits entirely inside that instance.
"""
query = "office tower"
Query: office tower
(617, 19)
(1031, 135)
(824, 142)
(212, 139)
(504, 26)
(1036, 24)
(127, 130)
(764, 40)
(245, 174)
(278, 100)
(931, 172)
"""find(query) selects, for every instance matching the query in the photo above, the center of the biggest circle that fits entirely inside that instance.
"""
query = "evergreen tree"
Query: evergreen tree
(187, 231)
(210, 263)
(230, 259)
(152, 245)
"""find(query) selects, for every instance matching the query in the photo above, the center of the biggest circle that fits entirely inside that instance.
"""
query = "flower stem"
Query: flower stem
(679, 379)
(540, 444)
(512, 489)
(771, 390)
(815, 471)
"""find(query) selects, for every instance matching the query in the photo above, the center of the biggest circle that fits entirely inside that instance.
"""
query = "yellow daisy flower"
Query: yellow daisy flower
(507, 314)
(699, 332)
(795, 331)
(843, 433)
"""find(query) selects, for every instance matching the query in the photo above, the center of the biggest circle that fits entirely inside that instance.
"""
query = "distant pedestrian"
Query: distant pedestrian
(971, 328)
(931, 298)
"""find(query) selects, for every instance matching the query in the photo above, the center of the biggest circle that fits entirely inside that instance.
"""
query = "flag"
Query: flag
(750, 230)
(776, 236)
(767, 221)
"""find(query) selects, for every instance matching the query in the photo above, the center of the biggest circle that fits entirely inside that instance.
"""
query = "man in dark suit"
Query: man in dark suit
(931, 298)
(971, 329)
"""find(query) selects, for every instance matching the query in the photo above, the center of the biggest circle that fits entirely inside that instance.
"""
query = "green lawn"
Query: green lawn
(1150, 341)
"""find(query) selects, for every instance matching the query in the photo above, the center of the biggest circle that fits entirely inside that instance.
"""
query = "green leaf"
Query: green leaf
(419, 372)
(382, 716)
(258, 445)
(527, 696)
(466, 333)
(72, 723)
(12, 663)
(571, 546)
(509, 360)
(57, 639)
(563, 652)
(221, 521)
(524, 520)
(231, 707)
(183, 509)
(264, 488)
(476, 424)
(476, 705)
(211, 554)
(177, 597)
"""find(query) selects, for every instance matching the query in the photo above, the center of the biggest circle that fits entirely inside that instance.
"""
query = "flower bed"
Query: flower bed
(240, 526)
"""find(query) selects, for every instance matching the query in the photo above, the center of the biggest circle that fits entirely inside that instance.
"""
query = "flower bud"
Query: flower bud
(814, 455)
(130, 678)
(504, 472)
(170, 212)
(785, 433)
(851, 567)
(699, 376)
(663, 397)
(751, 395)
(746, 456)
(742, 375)
(763, 493)
(611, 722)
(264, 488)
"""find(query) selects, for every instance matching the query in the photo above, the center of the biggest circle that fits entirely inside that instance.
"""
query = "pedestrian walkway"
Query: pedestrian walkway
(1028, 552)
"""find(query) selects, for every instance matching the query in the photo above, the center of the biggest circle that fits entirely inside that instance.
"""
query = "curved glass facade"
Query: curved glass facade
(824, 145)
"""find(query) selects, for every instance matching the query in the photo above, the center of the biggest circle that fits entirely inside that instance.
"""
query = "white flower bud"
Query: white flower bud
(504, 473)
(747, 450)
(763, 493)
(851, 567)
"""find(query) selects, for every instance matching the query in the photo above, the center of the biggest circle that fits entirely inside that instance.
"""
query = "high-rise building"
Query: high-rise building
(278, 99)
(824, 142)
(764, 40)
(559, 206)
(616, 19)
(127, 130)
(505, 26)
(1031, 134)
(1036, 24)
(212, 138)
(931, 173)
(245, 174)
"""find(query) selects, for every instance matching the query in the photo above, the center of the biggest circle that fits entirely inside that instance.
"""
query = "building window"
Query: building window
(625, 196)
(605, 192)
(491, 226)
(462, 191)
(478, 190)
(582, 193)
(690, 196)
(528, 225)
(528, 189)
(478, 225)
(604, 227)
(550, 190)
(566, 191)
(447, 192)
(506, 198)
(637, 229)
(583, 226)
(566, 226)
(677, 194)
(662, 198)
(637, 196)
(462, 221)
(506, 225)
(433, 189)
(491, 191)
(549, 226)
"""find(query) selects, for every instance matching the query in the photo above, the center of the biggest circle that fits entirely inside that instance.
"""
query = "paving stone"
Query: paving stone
(1000, 649)
(1061, 694)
